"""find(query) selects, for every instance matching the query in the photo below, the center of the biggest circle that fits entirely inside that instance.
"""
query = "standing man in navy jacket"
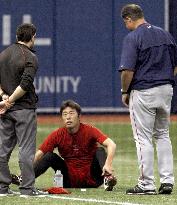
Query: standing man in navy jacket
(18, 66)
(148, 64)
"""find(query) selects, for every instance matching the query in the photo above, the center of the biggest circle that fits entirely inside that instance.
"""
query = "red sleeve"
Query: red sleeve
(51, 142)
(98, 135)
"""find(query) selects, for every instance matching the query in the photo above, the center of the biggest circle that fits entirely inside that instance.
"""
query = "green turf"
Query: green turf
(125, 165)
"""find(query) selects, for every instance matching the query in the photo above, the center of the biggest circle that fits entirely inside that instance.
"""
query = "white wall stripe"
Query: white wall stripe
(6, 30)
(87, 110)
(26, 18)
(166, 15)
(43, 41)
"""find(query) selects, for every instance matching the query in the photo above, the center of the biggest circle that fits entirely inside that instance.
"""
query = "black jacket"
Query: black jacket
(18, 66)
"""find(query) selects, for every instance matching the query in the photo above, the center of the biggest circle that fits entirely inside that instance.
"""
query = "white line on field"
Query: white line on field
(79, 199)
(88, 200)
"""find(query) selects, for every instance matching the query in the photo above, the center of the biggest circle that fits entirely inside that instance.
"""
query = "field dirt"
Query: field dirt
(55, 119)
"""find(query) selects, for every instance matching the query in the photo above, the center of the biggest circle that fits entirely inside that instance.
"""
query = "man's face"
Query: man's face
(70, 118)
(32, 41)
(129, 24)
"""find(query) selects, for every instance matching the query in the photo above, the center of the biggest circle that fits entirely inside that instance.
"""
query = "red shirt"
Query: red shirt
(77, 150)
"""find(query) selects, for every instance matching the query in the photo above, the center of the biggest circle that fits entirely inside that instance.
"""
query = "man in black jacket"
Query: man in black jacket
(18, 66)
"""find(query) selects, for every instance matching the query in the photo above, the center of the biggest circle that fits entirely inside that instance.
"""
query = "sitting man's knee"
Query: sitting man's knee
(50, 156)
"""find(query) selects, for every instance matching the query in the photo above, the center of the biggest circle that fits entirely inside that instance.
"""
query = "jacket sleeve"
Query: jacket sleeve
(29, 73)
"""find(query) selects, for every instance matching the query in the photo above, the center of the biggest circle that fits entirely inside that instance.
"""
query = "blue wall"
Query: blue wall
(78, 45)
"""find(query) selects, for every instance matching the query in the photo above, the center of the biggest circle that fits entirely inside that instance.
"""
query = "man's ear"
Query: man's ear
(128, 19)
(33, 37)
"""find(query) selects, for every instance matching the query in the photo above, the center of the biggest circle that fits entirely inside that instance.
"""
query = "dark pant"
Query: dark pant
(57, 163)
(18, 127)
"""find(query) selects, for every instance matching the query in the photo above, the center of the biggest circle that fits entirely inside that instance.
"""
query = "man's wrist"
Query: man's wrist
(2, 93)
(123, 92)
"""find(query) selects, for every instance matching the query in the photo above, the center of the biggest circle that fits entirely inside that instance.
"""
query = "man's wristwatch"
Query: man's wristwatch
(124, 92)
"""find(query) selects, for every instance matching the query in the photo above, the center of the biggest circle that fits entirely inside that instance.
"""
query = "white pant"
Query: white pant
(150, 117)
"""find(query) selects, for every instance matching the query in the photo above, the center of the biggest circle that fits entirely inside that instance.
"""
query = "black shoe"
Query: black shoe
(16, 179)
(138, 191)
(109, 182)
(166, 188)
(8, 193)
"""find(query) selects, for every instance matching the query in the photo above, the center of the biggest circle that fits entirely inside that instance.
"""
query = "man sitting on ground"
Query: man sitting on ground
(82, 162)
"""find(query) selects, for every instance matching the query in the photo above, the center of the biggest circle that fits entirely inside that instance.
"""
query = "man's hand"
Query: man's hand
(107, 170)
(5, 97)
(39, 154)
(125, 99)
(4, 106)
(111, 148)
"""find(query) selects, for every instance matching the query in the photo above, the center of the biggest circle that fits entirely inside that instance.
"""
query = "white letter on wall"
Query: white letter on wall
(6, 30)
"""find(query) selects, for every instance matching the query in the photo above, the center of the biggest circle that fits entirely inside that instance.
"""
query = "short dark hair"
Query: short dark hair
(72, 104)
(25, 32)
(132, 11)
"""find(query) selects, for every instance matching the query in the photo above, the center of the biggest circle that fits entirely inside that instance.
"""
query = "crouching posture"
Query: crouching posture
(81, 160)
